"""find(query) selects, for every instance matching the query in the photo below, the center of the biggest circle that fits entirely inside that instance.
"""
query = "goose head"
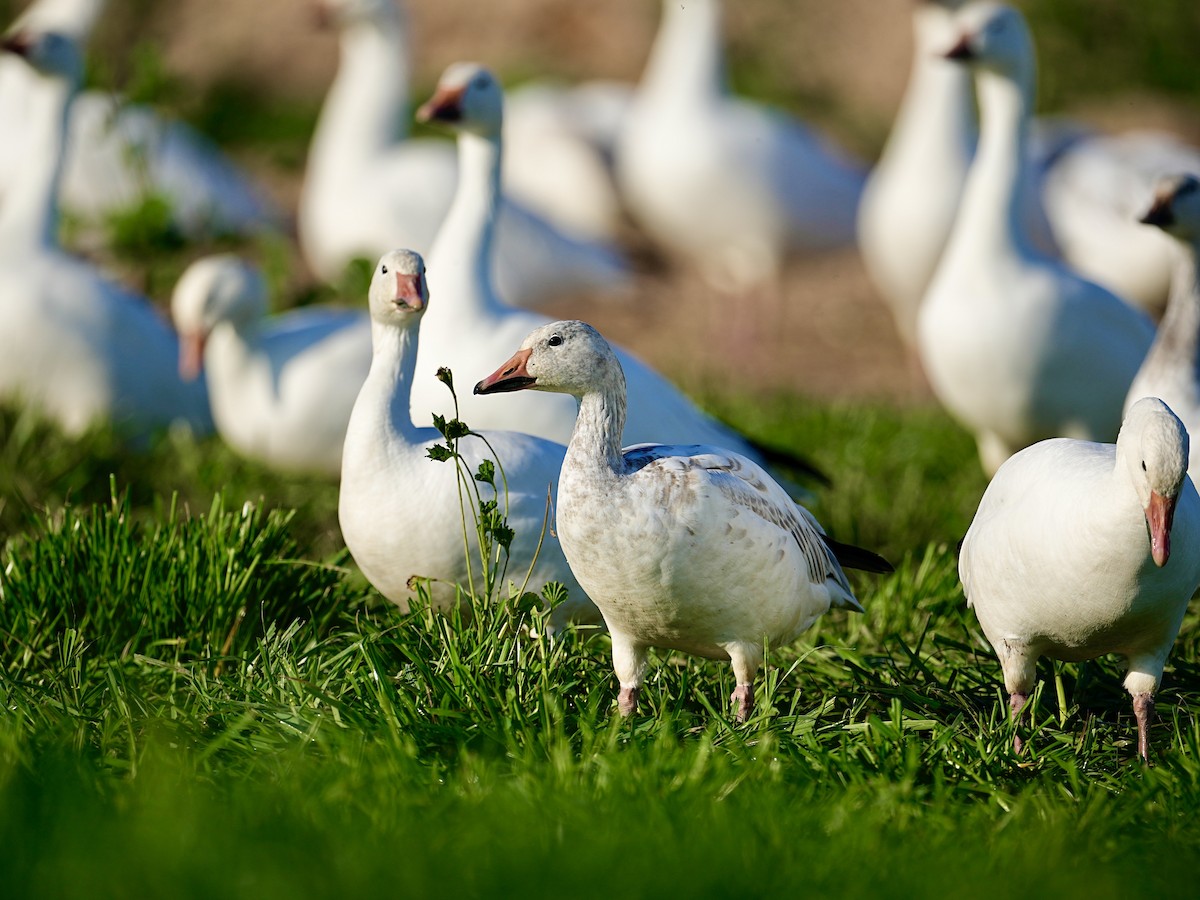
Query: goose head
(1153, 445)
(567, 357)
(345, 13)
(212, 290)
(399, 292)
(994, 37)
(467, 98)
(1176, 207)
(50, 53)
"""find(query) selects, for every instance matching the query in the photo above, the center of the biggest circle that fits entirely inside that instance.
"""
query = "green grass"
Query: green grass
(202, 700)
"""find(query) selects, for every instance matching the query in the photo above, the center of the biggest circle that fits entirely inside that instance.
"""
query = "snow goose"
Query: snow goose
(119, 154)
(1171, 370)
(684, 547)
(75, 345)
(367, 189)
(469, 322)
(1029, 562)
(282, 388)
(400, 510)
(1015, 345)
(688, 149)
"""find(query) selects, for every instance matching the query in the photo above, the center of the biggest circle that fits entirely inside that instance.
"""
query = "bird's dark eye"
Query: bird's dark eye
(555, 340)
(1143, 465)
(383, 270)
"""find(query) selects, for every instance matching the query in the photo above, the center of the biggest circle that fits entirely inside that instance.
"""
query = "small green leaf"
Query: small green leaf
(486, 472)
(439, 453)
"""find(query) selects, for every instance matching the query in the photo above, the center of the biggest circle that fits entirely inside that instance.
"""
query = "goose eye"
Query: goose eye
(383, 270)
(555, 340)
(1143, 465)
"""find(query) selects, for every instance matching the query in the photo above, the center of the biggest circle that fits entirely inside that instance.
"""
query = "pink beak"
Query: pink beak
(1159, 516)
(191, 355)
(444, 106)
(512, 376)
(410, 291)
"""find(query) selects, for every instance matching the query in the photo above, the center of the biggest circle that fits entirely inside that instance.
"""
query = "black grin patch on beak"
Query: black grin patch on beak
(506, 386)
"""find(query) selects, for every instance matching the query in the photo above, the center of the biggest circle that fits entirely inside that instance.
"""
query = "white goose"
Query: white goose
(1030, 563)
(400, 510)
(1016, 346)
(118, 154)
(75, 345)
(367, 189)
(282, 388)
(687, 547)
(728, 184)
(1171, 370)
(469, 322)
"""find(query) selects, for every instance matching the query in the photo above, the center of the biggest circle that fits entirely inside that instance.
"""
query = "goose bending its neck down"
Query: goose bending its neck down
(1015, 345)
(75, 345)
(400, 510)
(687, 547)
(282, 387)
(470, 322)
(1171, 371)
(1029, 560)
(688, 148)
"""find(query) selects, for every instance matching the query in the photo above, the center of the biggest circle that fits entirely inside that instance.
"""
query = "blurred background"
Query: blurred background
(252, 76)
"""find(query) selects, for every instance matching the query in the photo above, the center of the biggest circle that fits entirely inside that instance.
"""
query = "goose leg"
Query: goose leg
(1143, 709)
(1020, 672)
(629, 663)
(746, 659)
(1016, 703)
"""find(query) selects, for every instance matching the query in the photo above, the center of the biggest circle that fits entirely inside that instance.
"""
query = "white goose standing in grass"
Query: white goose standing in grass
(368, 189)
(470, 322)
(120, 154)
(281, 388)
(1015, 345)
(400, 510)
(684, 547)
(1080, 549)
(74, 344)
(1171, 370)
(729, 184)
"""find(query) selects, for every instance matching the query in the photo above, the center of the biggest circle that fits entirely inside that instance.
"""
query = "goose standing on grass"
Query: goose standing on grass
(685, 547)
(282, 388)
(75, 345)
(1016, 346)
(400, 510)
(469, 322)
(368, 189)
(1171, 371)
(120, 154)
(728, 184)
(1081, 549)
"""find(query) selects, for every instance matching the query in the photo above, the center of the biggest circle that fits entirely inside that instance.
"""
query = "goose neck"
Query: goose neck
(686, 58)
(937, 101)
(29, 215)
(1178, 335)
(595, 443)
(463, 247)
(390, 378)
(990, 209)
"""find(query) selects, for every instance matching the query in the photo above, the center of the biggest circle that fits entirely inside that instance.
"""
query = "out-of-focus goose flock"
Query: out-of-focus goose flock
(1034, 275)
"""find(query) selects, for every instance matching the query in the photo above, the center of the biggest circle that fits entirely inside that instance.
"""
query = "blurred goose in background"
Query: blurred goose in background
(1015, 345)
(74, 345)
(688, 547)
(400, 511)
(281, 388)
(1080, 549)
(1171, 371)
(469, 322)
(120, 154)
(368, 189)
(728, 184)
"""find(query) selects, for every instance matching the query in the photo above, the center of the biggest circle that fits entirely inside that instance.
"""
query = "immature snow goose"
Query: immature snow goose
(367, 189)
(75, 345)
(282, 388)
(1171, 371)
(729, 184)
(119, 154)
(400, 510)
(685, 547)
(1015, 345)
(470, 322)
(1080, 549)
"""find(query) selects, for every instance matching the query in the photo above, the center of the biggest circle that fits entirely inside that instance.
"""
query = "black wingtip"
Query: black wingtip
(852, 557)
